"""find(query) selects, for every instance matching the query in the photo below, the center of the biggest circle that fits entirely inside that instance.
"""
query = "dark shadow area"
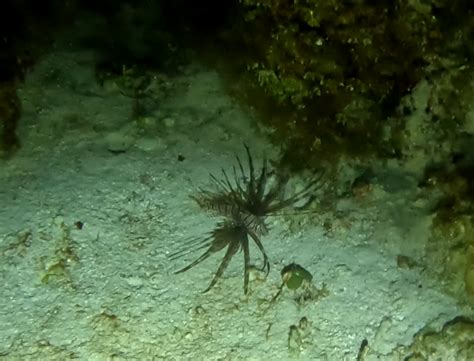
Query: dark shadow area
(146, 33)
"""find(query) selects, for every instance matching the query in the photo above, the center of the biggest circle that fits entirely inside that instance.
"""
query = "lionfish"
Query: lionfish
(244, 199)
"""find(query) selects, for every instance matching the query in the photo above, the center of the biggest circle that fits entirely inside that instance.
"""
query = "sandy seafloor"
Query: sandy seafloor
(108, 291)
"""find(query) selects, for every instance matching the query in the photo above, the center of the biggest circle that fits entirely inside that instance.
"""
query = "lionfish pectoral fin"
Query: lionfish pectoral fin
(203, 257)
(245, 248)
(231, 250)
(266, 264)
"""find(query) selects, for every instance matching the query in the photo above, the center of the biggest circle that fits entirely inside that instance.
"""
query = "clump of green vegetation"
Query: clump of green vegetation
(333, 73)
(55, 269)
(17, 244)
(451, 247)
